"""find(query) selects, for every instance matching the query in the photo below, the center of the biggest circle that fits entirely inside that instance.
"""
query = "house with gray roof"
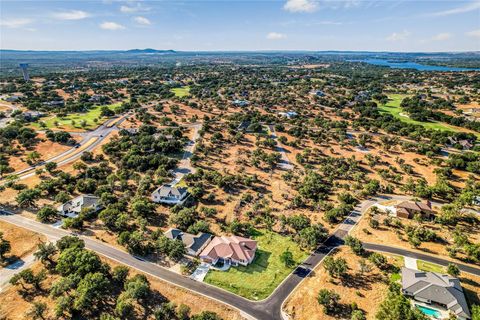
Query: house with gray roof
(194, 244)
(240, 103)
(432, 290)
(72, 208)
(169, 194)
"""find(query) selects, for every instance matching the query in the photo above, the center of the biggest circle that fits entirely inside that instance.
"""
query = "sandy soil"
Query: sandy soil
(23, 242)
(14, 307)
(45, 147)
(398, 238)
(368, 291)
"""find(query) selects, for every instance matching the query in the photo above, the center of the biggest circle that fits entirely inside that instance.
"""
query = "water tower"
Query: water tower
(24, 67)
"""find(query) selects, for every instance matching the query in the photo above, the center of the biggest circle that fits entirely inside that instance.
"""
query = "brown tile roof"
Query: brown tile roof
(234, 247)
(415, 206)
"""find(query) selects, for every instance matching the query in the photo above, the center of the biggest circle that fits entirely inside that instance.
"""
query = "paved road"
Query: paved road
(73, 153)
(185, 166)
(266, 309)
(6, 120)
(284, 161)
(270, 308)
(421, 256)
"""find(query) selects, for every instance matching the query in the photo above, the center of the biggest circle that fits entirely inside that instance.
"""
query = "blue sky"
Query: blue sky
(388, 25)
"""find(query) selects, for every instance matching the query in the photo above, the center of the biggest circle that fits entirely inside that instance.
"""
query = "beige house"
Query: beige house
(232, 250)
(408, 209)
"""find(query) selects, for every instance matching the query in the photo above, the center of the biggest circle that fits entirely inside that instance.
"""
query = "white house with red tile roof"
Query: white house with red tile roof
(233, 250)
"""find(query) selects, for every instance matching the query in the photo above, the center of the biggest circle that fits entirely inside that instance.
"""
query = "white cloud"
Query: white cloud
(127, 9)
(474, 5)
(442, 36)
(314, 5)
(300, 6)
(71, 15)
(142, 20)
(399, 36)
(111, 26)
(474, 33)
(325, 23)
(138, 7)
(15, 23)
(276, 36)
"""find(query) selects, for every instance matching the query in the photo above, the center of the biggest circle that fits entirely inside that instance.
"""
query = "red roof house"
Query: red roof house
(233, 250)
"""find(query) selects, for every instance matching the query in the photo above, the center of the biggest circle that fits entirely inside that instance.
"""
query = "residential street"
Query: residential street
(184, 165)
(284, 161)
(269, 308)
(98, 134)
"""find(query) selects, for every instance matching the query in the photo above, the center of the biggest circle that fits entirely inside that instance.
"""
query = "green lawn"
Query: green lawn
(399, 260)
(66, 122)
(393, 107)
(394, 277)
(258, 280)
(181, 92)
(427, 266)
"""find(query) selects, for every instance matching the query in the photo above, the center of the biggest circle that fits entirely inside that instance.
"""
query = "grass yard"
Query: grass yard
(258, 280)
(181, 92)
(66, 122)
(399, 260)
(427, 266)
(394, 277)
(393, 107)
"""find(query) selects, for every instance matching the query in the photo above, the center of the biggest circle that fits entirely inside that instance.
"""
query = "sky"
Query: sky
(245, 25)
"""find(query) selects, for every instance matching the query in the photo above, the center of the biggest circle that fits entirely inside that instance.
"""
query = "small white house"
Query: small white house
(72, 208)
(240, 103)
(170, 194)
(288, 114)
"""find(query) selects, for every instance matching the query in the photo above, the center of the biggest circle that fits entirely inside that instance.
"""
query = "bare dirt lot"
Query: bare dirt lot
(367, 290)
(397, 237)
(14, 307)
(23, 242)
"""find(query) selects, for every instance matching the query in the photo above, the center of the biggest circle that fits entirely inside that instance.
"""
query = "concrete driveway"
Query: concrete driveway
(200, 273)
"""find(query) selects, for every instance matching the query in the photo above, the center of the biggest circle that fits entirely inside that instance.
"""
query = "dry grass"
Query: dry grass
(367, 290)
(23, 242)
(14, 307)
(45, 147)
(398, 238)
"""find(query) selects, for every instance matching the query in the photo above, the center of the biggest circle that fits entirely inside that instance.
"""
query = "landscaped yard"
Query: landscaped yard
(393, 107)
(181, 92)
(258, 280)
(66, 122)
(427, 266)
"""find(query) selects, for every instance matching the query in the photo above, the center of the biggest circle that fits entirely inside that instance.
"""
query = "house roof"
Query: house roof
(436, 287)
(192, 242)
(415, 206)
(234, 247)
(168, 190)
(80, 202)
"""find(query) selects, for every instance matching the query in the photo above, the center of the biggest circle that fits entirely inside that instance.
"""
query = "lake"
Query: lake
(411, 65)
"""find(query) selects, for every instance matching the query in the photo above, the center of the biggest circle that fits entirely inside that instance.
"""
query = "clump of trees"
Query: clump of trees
(89, 288)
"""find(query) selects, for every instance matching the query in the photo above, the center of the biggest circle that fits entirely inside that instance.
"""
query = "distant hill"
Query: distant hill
(150, 50)
(90, 52)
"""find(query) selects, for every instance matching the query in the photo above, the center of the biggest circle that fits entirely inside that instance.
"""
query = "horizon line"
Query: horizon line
(242, 51)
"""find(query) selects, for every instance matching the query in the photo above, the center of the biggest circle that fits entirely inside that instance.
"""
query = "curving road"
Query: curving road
(98, 134)
(270, 308)
(6, 120)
